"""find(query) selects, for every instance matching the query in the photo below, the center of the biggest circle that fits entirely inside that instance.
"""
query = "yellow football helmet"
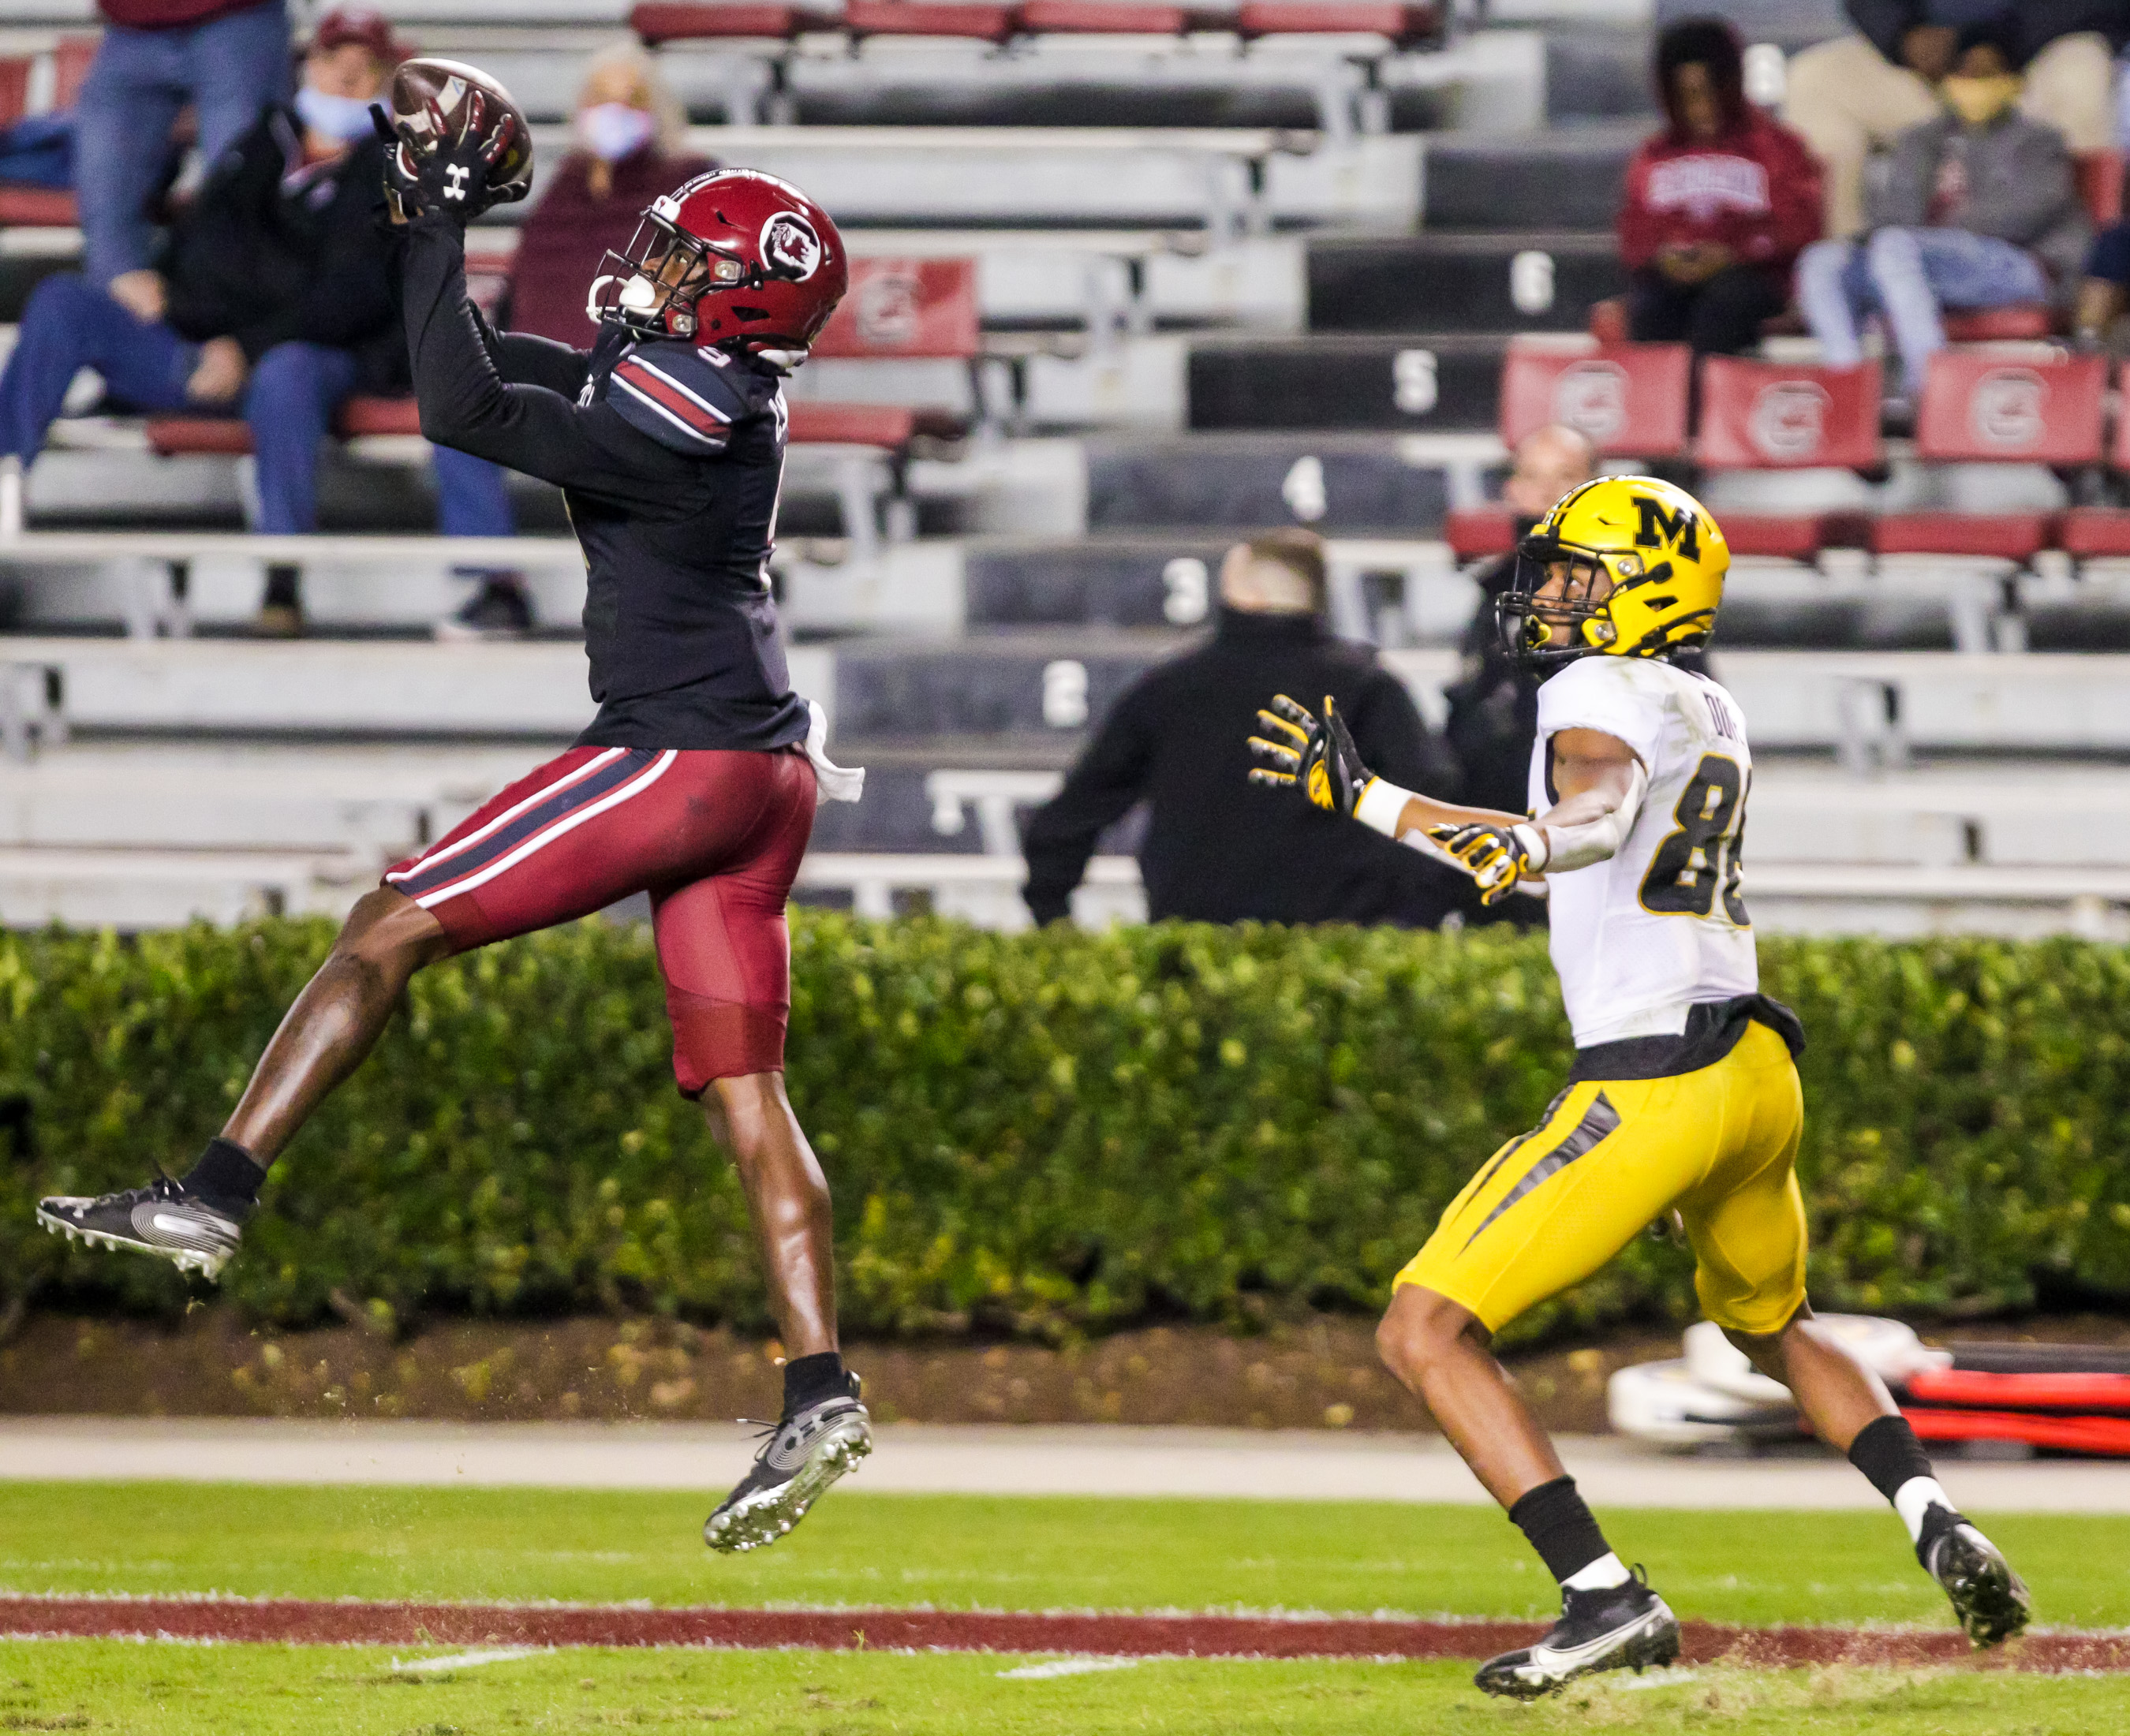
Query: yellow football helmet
(1665, 558)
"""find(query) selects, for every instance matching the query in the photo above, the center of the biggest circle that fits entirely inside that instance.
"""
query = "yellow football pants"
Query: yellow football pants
(1551, 1207)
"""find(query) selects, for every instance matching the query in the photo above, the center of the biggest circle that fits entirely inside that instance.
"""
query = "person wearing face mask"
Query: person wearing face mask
(629, 138)
(1856, 94)
(1718, 205)
(1979, 209)
(273, 299)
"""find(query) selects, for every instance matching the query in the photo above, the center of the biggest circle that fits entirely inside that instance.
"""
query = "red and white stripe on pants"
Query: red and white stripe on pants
(715, 837)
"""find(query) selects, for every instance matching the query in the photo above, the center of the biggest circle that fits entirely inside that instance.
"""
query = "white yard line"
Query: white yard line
(466, 1660)
(915, 1458)
(1067, 1667)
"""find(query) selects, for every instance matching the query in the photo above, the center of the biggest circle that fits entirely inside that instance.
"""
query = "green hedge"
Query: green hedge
(1041, 1132)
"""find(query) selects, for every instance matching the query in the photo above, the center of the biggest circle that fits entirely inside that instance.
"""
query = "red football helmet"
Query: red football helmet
(734, 258)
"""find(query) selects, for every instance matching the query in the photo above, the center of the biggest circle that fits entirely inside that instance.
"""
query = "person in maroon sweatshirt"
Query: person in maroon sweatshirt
(1718, 205)
(226, 59)
(631, 139)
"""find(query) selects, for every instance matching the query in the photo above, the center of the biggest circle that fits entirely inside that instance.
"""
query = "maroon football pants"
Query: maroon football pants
(714, 837)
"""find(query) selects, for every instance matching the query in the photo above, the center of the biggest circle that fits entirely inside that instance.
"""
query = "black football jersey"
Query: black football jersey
(669, 459)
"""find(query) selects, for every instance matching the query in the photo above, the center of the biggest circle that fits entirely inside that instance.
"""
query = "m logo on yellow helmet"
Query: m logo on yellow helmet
(1662, 528)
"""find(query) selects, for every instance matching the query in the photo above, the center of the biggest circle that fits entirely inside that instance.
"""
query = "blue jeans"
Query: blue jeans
(228, 69)
(290, 403)
(1908, 274)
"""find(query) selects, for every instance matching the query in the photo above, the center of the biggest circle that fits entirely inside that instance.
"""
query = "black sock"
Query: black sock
(1887, 1452)
(1560, 1527)
(225, 1175)
(808, 1379)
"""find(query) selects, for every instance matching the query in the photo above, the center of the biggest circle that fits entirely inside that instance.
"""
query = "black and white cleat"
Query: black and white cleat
(1990, 1599)
(800, 1458)
(1620, 1628)
(160, 1219)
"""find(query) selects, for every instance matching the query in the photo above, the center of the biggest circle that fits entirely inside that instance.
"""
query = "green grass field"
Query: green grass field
(194, 1691)
(980, 1552)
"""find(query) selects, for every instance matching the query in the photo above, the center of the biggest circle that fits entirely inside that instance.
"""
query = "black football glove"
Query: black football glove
(1319, 760)
(1495, 856)
(445, 173)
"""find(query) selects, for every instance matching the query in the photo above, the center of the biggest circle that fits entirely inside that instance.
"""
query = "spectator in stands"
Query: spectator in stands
(631, 147)
(1857, 94)
(274, 299)
(225, 59)
(1979, 207)
(1719, 204)
(1219, 848)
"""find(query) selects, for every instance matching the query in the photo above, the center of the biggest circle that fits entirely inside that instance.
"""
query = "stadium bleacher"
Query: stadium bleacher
(1132, 279)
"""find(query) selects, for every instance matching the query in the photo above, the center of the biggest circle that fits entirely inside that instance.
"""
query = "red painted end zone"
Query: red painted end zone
(288, 1621)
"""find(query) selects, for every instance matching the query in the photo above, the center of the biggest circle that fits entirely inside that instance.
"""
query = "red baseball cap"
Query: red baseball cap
(346, 24)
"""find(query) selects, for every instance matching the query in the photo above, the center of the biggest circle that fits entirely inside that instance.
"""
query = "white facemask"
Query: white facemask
(344, 118)
(612, 131)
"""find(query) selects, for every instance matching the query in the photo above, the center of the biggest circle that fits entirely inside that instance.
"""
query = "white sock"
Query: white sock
(1606, 1571)
(1916, 1497)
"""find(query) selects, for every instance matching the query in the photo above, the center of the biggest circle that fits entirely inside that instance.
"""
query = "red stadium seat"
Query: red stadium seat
(854, 425)
(660, 21)
(1793, 536)
(1101, 18)
(1628, 399)
(2090, 533)
(1767, 416)
(14, 88)
(70, 64)
(2094, 533)
(906, 308)
(1478, 533)
(1995, 536)
(915, 18)
(229, 436)
(2100, 185)
(360, 415)
(1979, 408)
(1402, 24)
(2021, 322)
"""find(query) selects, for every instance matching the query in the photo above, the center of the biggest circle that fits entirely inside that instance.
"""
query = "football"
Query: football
(449, 85)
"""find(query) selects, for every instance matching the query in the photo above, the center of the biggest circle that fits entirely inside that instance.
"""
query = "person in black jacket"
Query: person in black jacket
(1217, 848)
(273, 300)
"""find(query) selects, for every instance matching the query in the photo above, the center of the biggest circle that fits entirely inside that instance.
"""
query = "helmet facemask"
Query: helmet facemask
(655, 284)
(1560, 585)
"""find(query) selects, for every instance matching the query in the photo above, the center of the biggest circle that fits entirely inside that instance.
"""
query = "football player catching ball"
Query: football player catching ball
(1683, 1095)
(696, 781)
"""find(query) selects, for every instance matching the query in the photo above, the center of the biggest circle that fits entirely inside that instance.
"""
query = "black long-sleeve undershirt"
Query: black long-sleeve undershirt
(467, 403)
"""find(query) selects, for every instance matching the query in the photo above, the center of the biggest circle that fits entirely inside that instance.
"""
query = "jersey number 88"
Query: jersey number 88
(1684, 872)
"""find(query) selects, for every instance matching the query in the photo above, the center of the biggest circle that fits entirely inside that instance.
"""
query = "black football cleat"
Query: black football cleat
(1625, 1627)
(1990, 1599)
(165, 1218)
(800, 1458)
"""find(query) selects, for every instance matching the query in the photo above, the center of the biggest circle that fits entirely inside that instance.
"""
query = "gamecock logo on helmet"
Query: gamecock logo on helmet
(2007, 410)
(1788, 419)
(1591, 397)
(790, 248)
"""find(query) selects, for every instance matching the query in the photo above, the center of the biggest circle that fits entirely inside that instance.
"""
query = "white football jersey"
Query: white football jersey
(1638, 939)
